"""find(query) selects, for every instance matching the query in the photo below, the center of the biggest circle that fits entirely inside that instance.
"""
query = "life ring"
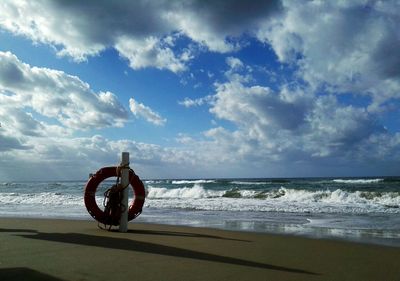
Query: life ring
(135, 208)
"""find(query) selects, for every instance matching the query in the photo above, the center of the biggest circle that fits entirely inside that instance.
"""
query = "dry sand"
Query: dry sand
(33, 249)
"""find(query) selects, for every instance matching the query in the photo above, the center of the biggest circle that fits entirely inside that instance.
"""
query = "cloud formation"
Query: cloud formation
(329, 49)
(74, 158)
(9, 143)
(351, 45)
(137, 30)
(341, 46)
(150, 52)
(53, 94)
(292, 125)
(187, 102)
(140, 110)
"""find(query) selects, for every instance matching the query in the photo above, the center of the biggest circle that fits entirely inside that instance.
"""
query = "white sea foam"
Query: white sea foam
(192, 181)
(153, 181)
(341, 197)
(248, 193)
(8, 184)
(197, 197)
(197, 191)
(280, 200)
(227, 204)
(248, 182)
(42, 198)
(357, 181)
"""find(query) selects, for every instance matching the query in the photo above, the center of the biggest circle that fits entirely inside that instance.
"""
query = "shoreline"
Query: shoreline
(346, 210)
(359, 236)
(319, 233)
(62, 249)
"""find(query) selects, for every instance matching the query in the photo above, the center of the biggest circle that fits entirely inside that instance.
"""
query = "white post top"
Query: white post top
(125, 158)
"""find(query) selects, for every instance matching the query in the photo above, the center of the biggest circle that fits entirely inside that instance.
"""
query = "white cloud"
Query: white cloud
(292, 125)
(41, 22)
(234, 63)
(257, 105)
(135, 29)
(8, 143)
(335, 129)
(187, 102)
(217, 24)
(54, 94)
(150, 52)
(55, 158)
(193, 26)
(335, 47)
(142, 31)
(140, 110)
(347, 46)
(16, 120)
(289, 125)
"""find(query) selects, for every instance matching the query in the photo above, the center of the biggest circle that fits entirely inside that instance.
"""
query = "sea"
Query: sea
(365, 210)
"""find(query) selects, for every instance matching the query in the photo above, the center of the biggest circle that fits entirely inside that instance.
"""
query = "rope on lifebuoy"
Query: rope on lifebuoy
(134, 209)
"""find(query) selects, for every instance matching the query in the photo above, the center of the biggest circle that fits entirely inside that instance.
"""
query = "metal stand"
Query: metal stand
(123, 225)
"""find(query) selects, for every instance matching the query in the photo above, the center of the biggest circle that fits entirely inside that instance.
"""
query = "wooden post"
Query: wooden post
(123, 224)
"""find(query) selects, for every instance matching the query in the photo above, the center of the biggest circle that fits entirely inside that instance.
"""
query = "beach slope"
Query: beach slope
(44, 249)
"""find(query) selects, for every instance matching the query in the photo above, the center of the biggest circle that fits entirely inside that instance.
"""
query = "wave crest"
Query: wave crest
(280, 199)
(197, 191)
(192, 181)
(357, 181)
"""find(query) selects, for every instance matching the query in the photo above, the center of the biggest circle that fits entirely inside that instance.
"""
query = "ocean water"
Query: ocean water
(359, 209)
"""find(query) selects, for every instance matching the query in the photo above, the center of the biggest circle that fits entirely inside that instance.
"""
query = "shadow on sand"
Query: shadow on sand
(146, 247)
(181, 234)
(24, 274)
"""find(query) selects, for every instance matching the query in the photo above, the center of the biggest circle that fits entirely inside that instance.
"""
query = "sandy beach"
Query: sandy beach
(44, 249)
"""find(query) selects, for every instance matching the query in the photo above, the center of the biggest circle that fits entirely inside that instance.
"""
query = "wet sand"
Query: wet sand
(44, 249)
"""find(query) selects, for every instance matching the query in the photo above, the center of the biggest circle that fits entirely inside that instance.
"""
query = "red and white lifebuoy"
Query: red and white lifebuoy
(135, 208)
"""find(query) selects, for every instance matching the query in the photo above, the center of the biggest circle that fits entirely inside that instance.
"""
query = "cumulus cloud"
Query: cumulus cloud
(149, 52)
(234, 63)
(53, 94)
(140, 110)
(187, 102)
(217, 24)
(272, 128)
(17, 120)
(8, 143)
(290, 124)
(258, 105)
(343, 46)
(136, 29)
(74, 158)
(333, 47)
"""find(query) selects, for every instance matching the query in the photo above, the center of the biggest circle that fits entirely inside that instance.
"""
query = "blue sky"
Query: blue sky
(199, 89)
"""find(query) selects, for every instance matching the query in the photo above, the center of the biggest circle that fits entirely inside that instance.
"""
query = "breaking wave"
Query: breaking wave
(248, 183)
(42, 198)
(357, 181)
(218, 195)
(197, 191)
(280, 199)
(192, 181)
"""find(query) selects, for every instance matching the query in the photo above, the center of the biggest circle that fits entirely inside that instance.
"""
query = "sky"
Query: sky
(199, 89)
